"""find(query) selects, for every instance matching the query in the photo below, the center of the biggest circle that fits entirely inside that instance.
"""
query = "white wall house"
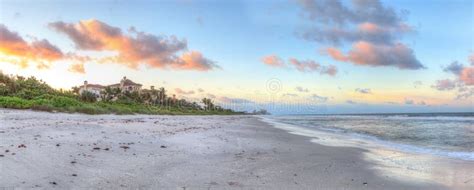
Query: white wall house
(125, 85)
(93, 88)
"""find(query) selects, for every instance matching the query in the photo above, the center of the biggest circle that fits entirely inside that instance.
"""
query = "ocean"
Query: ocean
(440, 134)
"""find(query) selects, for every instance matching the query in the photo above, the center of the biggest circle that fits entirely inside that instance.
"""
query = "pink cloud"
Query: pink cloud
(366, 53)
(300, 65)
(372, 28)
(181, 91)
(77, 68)
(467, 75)
(329, 70)
(273, 60)
(304, 65)
(369, 27)
(445, 84)
(134, 48)
(42, 52)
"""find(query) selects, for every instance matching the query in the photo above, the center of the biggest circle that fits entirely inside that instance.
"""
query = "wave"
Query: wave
(300, 126)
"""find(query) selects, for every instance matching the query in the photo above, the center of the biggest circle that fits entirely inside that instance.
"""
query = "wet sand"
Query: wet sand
(74, 151)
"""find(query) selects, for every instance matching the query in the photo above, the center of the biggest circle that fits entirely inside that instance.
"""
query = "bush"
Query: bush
(30, 93)
(91, 109)
(87, 96)
(14, 102)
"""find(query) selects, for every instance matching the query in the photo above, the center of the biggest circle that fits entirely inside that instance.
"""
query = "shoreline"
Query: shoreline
(196, 152)
(368, 139)
(402, 164)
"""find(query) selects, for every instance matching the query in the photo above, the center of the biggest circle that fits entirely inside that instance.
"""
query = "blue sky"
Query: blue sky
(236, 35)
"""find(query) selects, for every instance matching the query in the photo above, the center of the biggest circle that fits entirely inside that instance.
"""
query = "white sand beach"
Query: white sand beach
(75, 151)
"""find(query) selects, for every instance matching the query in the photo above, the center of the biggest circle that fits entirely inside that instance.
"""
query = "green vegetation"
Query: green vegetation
(30, 93)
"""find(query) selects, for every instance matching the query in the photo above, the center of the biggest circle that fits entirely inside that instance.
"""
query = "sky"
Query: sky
(286, 56)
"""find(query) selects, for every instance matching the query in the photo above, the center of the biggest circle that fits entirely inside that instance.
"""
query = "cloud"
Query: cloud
(319, 98)
(234, 100)
(467, 75)
(300, 65)
(194, 61)
(455, 68)
(417, 84)
(290, 95)
(330, 70)
(301, 89)
(464, 92)
(363, 90)
(369, 54)
(445, 84)
(134, 48)
(373, 30)
(363, 32)
(20, 52)
(312, 66)
(200, 21)
(413, 102)
(183, 92)
(304, 65)
(409, 101)
(334, 12)
(350, 102)
(200, 90)
(273, 61)
(463, 82)
(464, 74)
(77, 68)
(471, 59)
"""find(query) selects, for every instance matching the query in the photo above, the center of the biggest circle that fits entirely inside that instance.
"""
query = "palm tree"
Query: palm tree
(109, 94)
(146, 97)
(161, 96)
(208, 104)
(75, 89)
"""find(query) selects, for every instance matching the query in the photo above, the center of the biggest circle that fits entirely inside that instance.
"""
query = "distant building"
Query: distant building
(125, 85)
(93, 88)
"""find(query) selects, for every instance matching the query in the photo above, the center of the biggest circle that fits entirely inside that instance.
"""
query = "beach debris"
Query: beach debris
(96, 148)
(53, 183)
(1, 155)
(74, 175)
(7, 150)
(162, 146)
(22, 146)
(106, 149)
(58, 145)
(73, 162)
(233, 183)
(125, 147)
(365, 183)
(213, 183)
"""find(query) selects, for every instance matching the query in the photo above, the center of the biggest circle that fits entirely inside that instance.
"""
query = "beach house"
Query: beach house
(125, 85)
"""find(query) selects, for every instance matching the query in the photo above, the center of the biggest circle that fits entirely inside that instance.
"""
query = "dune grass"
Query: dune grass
(71, 105)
